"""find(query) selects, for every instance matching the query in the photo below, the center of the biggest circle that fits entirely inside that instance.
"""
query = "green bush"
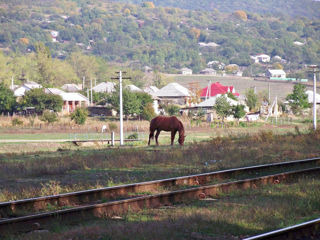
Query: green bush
(113, 127)
(16, 122)
(148, 112)
(172, 110)
(133, 136)
(49, 117)
(79, 116)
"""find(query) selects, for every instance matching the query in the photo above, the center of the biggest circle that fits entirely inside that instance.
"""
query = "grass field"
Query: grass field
(70, 168)
(234, 215)
(241, 84)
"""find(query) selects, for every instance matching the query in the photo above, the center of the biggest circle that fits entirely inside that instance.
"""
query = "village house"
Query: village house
(71, 100)
(275, 73)
(174, 93)
(104, 87)
(71, 87)
(152, 90)
(133, 88)
(216, 89)
(208, 71)
(262, 58)
(186, 71)
(20, 91)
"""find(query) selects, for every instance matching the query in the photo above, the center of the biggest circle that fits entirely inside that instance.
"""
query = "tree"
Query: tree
(298, 99)
(251, 99)
(148, 112)
(44, 64)
(238, 111)
(172, 110)
(131, 103)
(241, 15)
(79, 116)
(42, 101)
(49, 117)
(148, 5)
(7, 100)
(222, 107)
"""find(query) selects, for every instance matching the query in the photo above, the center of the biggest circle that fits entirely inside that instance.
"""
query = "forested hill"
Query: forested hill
(302, 8)
(165, 39)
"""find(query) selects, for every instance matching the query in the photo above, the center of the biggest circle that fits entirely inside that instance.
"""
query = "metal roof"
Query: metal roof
(173, 90)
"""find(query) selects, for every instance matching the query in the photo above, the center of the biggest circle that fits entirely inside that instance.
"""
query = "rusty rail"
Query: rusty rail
(109, 209)
(14, 208)
(305, 230)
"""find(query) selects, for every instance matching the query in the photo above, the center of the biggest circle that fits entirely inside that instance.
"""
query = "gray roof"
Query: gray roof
(173, 90)
(105, 87)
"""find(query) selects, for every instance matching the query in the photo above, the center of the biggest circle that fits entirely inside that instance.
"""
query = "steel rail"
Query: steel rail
(300, 231)
(118, 207)
(14, 208)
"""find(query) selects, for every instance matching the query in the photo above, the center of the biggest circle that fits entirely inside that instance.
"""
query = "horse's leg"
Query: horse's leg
(157, 135)
(151, 136)
(173, 134)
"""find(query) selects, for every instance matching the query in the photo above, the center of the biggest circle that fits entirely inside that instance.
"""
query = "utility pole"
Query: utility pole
(121, 103)
(91, 91)
(12, 83)
(314, 70)
(269, 92)
(83, 82)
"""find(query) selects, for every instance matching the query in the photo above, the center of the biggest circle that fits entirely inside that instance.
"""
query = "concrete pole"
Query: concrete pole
(121, 109)
(314, 100)
(83, 82)
(91, 103)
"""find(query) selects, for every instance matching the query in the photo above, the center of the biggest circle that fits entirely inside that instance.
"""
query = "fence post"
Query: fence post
(112, 138)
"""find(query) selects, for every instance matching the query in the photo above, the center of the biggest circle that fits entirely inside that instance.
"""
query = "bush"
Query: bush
(113, 127)
(49, 117)
(133, 136)
(79, 116)
(16, 122)
(172, 110)
(148, 112)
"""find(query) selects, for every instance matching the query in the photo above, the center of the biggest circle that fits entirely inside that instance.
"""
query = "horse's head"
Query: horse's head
(181, 139)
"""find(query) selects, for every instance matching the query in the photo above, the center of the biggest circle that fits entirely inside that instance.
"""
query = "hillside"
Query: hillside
(302, 8)
(165, 39)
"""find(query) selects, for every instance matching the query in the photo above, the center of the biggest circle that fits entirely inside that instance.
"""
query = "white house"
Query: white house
(209, 44)
(310, 97)
(208, 71)
(54, 35)
(261, 58)
(71, 100)
(174, 93)
(186, 71)
(71, 87)
(133, 88)
(107, 87)
(20, 91)
(276, 73)
(152, 90)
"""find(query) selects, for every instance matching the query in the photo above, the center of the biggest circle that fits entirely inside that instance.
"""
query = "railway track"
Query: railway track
(23, 215)
(302, 231)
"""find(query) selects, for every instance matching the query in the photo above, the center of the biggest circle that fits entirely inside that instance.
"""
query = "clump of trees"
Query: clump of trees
(298, 99)
(137, 104)
(79, 116)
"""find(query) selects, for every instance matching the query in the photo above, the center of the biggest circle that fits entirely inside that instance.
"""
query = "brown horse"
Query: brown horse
(168, 124)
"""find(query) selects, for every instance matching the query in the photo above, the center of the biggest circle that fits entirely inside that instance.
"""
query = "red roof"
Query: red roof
(217, 88)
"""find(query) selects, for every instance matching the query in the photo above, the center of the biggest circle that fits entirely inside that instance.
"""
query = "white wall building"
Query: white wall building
(186, 71)
(276, 73)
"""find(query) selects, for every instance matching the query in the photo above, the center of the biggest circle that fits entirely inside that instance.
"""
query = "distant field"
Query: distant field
(241, 84)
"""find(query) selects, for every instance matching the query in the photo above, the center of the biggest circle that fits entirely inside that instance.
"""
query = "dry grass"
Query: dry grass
(24, 175)
(234, 215)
